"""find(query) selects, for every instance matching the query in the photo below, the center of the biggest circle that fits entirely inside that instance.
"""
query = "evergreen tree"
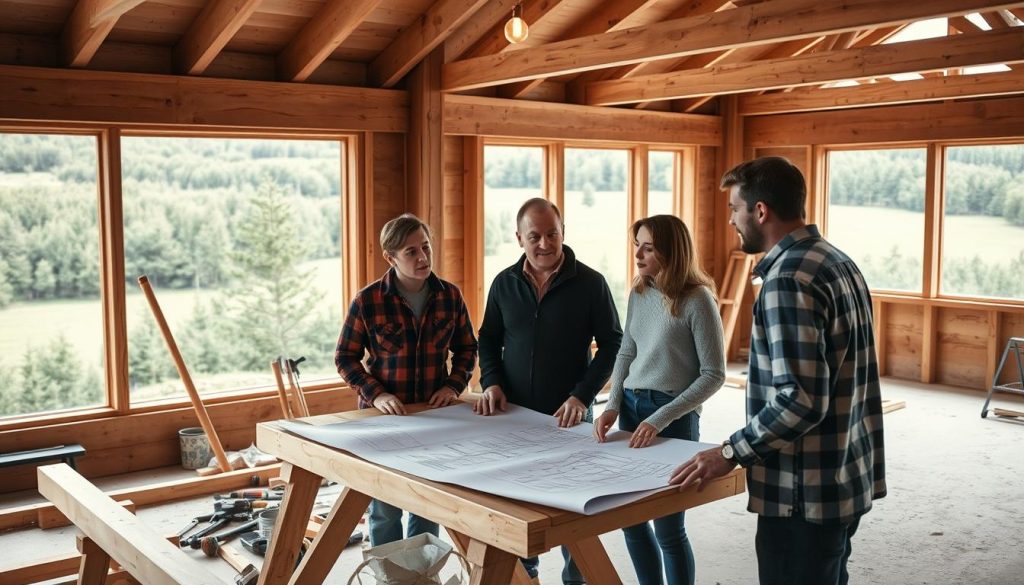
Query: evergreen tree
(271, 300)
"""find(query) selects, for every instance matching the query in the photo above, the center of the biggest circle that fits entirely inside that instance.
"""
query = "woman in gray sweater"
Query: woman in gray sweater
(671, 360)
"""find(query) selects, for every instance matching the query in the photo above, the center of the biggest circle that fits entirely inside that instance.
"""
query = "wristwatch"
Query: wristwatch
(728, 453)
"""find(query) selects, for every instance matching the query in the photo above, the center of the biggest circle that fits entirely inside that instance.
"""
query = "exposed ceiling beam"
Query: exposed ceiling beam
(210, 33)
(494, 41)
(763, 23)
(964, 50)
(577, 87)
(995, 19)
(609, 17)
(484, 22)
(328, 29)
(89, 24)
(419, 39)
(876, 94)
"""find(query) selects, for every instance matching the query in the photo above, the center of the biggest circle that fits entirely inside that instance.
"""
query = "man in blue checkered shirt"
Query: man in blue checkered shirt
(813, 445)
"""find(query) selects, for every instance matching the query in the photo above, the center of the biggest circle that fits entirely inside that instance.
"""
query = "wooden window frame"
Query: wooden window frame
(354, 173)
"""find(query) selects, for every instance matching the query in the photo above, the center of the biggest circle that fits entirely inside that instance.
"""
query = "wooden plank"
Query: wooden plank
(962, 345)
(332, 537)
(50, 517)
(111, 224)
(210, 33)
(933, 215)
(419, 39)
(767, 22)
(904, 330)
(892, 406)
(554, 174)
(88, 25)
(141, 551)
(299, 493)
(985, 48)
(880, 337)
(485, 23)
(95, 563)
(1006, 412)
(425, 143)
(334, 23)
(473, 244)
(994, 346)
(592, 560)
(874, 94)
(481, 116)
(32, 94)
(28, 515)
(494, 565)
(994, 118)
(929, 341)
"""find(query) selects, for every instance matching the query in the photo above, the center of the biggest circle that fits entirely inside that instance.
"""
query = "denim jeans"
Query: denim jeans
(386, 524)
(793, 551)
(667, 542)
(571, 574)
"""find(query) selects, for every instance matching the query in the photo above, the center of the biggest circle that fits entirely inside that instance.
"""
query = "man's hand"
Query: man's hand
(603, 423)
(443, 397)
(571, 412)
(491, 402)
(704, 466)
(642, 436)
(388, 403)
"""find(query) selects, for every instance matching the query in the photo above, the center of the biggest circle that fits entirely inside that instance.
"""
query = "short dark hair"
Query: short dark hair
(541, 203)
(773, 180)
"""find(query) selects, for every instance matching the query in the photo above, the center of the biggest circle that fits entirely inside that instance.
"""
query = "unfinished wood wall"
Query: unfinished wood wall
(931, 340)
(56, 100)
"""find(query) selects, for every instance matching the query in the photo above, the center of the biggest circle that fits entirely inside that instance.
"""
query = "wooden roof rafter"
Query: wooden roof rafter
(88, 26)
(999, 46)
(576, 88)
(210, 33)
(762, 23)
(328, 29)
(420, 38)
(608, 18)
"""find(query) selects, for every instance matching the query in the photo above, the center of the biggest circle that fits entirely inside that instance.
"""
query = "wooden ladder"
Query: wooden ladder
(730, 295)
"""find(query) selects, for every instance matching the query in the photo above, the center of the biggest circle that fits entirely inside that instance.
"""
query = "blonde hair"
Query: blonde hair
(680, 267)
(394, 232)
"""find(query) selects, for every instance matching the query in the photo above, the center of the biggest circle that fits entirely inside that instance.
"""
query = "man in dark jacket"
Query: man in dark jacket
(542, 314)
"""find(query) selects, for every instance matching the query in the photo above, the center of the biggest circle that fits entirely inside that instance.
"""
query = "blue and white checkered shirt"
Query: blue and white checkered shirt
(813, 442)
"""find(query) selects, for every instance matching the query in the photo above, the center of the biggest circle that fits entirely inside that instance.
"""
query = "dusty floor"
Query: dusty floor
(952, 515)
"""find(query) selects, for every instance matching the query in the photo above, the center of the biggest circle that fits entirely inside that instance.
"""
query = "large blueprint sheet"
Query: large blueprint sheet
(519, 454)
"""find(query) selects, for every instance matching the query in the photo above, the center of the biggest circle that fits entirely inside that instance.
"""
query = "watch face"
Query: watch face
(727, 452)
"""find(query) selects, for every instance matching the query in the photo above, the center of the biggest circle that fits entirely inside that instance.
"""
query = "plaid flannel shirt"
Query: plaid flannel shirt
(407, 357)
(813, 442)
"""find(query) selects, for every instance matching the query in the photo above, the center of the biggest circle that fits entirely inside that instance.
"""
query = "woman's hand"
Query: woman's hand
(643, 435)
(603, 423)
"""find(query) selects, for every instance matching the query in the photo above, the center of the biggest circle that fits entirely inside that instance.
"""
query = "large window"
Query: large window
(51, 333)
(512, 174)
(241, 241)
(876, 213)
(597, 212)
(983, 227)
(661, 182)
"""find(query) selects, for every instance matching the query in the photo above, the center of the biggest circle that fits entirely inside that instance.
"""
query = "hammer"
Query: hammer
(247, 573)
(211, 544)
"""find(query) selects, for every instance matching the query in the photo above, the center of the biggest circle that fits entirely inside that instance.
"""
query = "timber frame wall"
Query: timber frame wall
(422, 151)
(929, 338)
(414, 150)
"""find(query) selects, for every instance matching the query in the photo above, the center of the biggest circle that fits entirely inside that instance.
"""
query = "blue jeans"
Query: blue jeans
(668, 541)
(571, 574)
(793, 551)
(386, 524)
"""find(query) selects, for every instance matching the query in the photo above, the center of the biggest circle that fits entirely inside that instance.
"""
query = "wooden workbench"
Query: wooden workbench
(492, 531)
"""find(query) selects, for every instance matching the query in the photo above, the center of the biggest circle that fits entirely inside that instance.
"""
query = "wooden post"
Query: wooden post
(186, 379)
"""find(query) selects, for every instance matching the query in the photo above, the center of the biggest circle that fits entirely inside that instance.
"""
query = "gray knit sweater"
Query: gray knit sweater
(682, 356)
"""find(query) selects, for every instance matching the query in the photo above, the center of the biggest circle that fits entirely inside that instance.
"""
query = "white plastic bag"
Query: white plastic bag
(413, 561)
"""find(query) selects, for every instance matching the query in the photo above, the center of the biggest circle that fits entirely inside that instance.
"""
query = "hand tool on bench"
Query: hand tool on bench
(211, 544)
(247, 572)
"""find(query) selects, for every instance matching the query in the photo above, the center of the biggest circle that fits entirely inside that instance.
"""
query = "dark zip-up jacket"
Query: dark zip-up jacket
(539, 353)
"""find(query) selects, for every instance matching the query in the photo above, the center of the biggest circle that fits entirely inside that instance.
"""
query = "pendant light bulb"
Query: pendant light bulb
(516, 29)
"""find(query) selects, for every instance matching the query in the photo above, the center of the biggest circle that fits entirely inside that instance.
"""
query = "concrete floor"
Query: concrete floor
(951, 516)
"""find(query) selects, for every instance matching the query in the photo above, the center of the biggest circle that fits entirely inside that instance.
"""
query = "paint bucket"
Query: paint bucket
(265, 520)
(195, 448)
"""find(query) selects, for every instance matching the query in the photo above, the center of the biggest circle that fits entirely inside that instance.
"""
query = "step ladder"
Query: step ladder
(730, 295)
(1015, 345)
